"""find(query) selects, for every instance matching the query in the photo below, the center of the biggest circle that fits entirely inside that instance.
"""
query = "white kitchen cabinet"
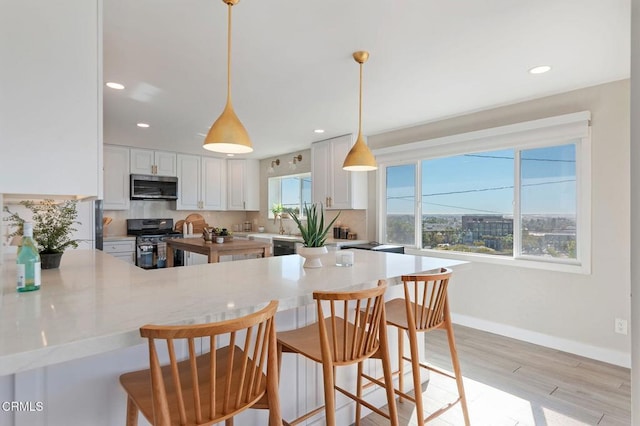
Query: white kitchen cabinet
(332, 186)
(124, 249)
(243, 177)
(191, 259)
(51, 102)
(149, 162)
(116, 178)
(201, 183)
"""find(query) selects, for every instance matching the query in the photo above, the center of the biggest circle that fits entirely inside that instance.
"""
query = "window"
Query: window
(525, 200)
(291, 191)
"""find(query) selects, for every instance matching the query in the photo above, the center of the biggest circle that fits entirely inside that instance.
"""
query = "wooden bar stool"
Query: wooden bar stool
(335, 341)
(424, 308)
(212, 387)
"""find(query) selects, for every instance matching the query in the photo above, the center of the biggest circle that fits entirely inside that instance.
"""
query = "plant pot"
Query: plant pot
(312, 256)
(50, 260)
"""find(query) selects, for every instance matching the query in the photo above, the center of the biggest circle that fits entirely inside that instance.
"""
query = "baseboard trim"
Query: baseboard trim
(622, 359)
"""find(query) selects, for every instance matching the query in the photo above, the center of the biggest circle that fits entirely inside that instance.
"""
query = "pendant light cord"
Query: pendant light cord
(360, 105)
(229, 56)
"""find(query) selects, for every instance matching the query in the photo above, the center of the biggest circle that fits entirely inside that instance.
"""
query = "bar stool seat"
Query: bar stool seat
(206, 389)
(335, 341)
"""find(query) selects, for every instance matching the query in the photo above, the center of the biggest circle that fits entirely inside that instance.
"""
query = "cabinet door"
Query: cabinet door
(236, 184)
(213, 183)
(142, 161)
(165, 163)
(320, 159)
(53, 129)
(339, 179)
(116, 178)
(188, 182)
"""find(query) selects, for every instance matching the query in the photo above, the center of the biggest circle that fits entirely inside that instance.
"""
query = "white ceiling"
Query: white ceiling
(292, 70)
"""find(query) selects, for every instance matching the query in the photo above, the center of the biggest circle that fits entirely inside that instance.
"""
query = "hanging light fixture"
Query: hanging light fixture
(360, 158)
(227, 134)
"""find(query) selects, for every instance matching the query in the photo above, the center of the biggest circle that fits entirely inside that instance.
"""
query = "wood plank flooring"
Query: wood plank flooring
(510, 382)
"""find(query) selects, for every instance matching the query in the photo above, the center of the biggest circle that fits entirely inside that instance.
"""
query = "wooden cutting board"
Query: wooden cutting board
(197, 221)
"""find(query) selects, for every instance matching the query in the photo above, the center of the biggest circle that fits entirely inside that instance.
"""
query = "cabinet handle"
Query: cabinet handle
(244, 205)
(330, 202)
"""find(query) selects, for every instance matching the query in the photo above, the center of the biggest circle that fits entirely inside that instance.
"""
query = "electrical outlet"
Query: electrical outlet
(621, 326)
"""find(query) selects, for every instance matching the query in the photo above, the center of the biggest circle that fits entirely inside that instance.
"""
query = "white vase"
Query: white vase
(312, 256)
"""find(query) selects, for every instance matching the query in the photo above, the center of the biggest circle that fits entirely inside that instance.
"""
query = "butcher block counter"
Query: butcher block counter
(214, 250)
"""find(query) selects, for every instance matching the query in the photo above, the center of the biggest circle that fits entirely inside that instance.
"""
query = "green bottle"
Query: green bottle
(28, 262)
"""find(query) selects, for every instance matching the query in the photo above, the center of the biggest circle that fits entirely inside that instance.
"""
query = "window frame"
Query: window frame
(279, 190)
(547, 132)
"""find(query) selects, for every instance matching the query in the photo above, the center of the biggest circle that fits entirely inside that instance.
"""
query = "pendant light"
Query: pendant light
(227, 134)
(360, 158)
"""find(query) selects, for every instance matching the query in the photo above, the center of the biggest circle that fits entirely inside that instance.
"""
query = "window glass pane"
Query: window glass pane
(548, 201)
(467, 203)
(401, 196)
(290, 191)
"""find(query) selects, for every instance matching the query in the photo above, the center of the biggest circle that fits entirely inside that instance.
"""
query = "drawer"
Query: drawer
(119, 246)
(127, 257)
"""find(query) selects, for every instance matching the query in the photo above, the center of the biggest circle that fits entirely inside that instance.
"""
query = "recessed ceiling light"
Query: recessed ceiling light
(318, 131)
(540, 70)
(114, 85)
(230, 155)
(204, 135)
(143, 125)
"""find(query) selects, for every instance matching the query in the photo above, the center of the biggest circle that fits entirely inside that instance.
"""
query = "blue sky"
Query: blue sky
(482, 183)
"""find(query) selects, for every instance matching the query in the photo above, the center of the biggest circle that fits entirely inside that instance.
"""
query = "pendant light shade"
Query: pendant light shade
(360, 158)
(227, 134)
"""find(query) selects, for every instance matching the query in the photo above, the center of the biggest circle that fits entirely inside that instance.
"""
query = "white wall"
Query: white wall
(571, 312)
(635, 213)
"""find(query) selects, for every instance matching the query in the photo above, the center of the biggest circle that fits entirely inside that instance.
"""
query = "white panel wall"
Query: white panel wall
(50, 102)
(635, 212)
(572, 312)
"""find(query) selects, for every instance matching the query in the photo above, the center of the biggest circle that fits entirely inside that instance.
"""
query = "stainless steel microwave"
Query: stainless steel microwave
(151, 187)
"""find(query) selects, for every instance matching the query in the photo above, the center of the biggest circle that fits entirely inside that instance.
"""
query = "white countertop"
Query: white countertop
(95, 303)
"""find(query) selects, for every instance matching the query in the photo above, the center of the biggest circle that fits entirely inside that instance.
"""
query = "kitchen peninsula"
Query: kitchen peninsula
(66, 344)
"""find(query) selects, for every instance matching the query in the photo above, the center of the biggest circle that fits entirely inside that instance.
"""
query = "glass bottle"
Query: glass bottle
(28, 262)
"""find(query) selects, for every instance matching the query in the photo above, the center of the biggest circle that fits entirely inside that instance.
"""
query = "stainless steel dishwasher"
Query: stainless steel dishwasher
(283, 247)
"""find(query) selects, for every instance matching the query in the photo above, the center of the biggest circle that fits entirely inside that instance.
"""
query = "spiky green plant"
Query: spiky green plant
(52, 224)
(314, 233)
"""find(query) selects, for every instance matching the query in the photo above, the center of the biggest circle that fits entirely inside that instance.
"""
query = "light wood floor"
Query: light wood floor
(510, 382)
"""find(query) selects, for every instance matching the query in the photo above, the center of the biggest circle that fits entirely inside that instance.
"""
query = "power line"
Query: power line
(523, 159)
(497, 188)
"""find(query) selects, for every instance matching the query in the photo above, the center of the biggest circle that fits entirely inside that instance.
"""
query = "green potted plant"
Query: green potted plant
(52, 228)
(314, 233)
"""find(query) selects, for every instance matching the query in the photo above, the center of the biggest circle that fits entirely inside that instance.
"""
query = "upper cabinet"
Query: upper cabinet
(201, 183)
(243, 179)
(332, 186)
(51, 102)
(149, 162)
(116, 178)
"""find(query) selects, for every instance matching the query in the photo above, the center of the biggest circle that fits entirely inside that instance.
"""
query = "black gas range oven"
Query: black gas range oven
(151, 248)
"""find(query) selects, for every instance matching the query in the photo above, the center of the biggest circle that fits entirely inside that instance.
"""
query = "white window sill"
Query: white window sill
(551, 265)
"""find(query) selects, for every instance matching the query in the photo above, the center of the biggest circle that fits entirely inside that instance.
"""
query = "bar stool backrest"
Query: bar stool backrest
(234, 386)
(426, 298)
(346, 342)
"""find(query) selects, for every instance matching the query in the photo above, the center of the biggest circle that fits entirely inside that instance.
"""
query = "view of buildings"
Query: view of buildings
(542, 235)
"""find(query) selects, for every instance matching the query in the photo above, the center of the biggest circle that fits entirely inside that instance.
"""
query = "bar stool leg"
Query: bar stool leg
(415, 370)
(388, 374)
(329, 394)
(228, 422)
(400, 362)
(132, 413)
(359, 393)
(456, 364)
